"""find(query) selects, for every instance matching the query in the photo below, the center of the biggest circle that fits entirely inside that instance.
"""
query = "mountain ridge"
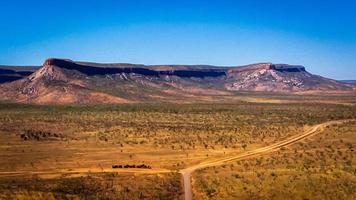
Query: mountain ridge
(65, 81)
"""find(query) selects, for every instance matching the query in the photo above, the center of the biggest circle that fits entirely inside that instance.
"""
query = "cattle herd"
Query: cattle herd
(142, 166)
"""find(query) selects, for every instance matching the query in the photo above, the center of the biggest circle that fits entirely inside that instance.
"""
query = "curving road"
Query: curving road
(186, 173)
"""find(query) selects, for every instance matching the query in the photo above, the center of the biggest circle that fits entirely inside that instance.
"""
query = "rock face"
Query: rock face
(65, 81)
(287, 68)
(136, 69)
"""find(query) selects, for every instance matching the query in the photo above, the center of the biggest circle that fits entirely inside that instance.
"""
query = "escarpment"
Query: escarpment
(146, 70)
(65, 81)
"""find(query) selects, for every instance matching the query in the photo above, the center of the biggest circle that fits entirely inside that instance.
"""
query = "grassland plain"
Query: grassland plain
(321, 167)
(46, 149)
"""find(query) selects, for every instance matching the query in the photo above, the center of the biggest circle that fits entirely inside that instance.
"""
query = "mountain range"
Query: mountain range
(63, 81)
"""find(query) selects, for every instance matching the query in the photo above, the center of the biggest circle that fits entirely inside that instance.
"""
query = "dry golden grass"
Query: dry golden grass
(322, 167)
(93, 186)
(83, 142)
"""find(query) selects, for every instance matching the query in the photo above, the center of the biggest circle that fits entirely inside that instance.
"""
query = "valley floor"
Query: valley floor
(67, 152)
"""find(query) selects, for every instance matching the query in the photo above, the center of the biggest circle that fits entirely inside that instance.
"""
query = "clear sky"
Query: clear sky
(319, 34)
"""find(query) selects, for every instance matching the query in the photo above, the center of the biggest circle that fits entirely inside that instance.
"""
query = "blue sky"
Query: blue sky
(318, 34)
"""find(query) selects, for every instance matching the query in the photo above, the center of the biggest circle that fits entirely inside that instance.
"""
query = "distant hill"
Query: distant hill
(349, 81)
(13, 73)
(65, 81)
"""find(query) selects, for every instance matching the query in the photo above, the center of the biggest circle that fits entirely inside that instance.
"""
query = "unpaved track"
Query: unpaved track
(187, 172)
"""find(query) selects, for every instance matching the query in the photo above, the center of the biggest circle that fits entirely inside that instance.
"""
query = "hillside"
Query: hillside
(65, 81)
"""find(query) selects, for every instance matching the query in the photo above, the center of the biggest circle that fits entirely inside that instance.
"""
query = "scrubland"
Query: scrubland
(67, 152)
(322, 167)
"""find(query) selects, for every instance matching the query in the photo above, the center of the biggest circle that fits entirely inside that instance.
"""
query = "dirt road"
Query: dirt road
(186, 173)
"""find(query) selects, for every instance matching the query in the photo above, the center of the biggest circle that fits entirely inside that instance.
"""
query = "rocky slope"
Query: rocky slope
(280, 78)
(64, 81)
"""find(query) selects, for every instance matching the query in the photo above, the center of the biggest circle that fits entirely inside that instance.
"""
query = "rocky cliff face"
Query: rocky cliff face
(66, 81)
(138, 69)
(287, 68)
